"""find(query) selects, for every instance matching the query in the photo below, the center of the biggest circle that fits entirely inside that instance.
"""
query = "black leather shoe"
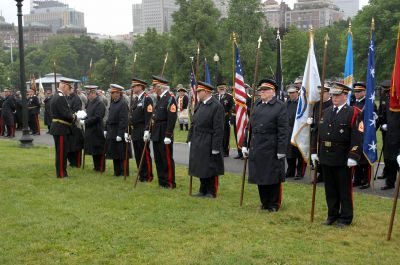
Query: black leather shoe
(199, 195)
(341, 225)
(298, 177)
(356, 184)
(363, 187)
(328, 222)
(226, 155)
(387, 187)
(238, 157)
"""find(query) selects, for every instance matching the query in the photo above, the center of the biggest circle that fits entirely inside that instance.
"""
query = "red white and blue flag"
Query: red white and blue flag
(240, 99)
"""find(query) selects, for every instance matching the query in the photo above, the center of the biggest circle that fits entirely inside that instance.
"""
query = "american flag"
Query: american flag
(193, 87)
(240, 99)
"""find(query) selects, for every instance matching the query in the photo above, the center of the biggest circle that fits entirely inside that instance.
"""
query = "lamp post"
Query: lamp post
(216, 60)
(26, 140)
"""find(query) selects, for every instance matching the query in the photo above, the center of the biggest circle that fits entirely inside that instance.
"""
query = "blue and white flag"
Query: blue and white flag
(309, 95)
(369, 140)
(207, 77)
(348, 67)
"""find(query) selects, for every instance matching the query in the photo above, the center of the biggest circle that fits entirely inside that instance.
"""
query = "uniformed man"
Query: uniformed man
(267, 145)
(140, 120)
(296, 165)
(312, 121)
(116, 131)
(183, 107)
(7, 113)
(229, 105)
(62, 120)
(47, 111)
(76, 137)
(18, 111)
(205, 141)
(33, 111)
(339, 148)
(382, 116)
(94, 128)
(164, 118)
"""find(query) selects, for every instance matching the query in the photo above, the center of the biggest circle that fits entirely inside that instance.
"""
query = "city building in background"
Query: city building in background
(274, 13)
(349, 7)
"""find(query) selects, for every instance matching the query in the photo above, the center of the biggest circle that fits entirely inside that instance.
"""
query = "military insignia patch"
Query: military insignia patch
(149, 108)
(361, 127)
(173, 108)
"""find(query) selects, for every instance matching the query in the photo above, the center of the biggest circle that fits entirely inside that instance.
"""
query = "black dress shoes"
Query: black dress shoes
(341, 225)
(298, 177)
(363, 187)
(328, 221)
(387, 187)
(198, 195)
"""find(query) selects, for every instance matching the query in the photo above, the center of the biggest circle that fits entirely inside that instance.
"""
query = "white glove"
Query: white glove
(167, 140)
(398, 160)
(214, 152)
(126, 137)
(82, 122)
(81, 114)
(245, 152)
(105, 134)
(280, 156)
(118, 139)
(351, 162)
(310, 121)
(314, 159)
(189, 144)
(146, 136)
(384, 127)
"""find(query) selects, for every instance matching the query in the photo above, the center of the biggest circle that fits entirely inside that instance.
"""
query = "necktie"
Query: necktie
(335, 111)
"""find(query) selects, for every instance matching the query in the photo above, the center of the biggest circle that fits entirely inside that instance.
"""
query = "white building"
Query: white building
(222, 6)
(349, 7)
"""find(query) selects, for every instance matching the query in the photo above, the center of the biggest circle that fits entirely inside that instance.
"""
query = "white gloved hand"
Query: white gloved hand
(81, 114)
(279, 156)
(310, 121)
(167, 140)
(214, 152)
(351, 162)
(189, 144)
(245, 152)
(118, 139)
(146, 136)
(126, 137)
(384, 127)
(105, 134)
(314, 159)
(82, 122)
(398, 160)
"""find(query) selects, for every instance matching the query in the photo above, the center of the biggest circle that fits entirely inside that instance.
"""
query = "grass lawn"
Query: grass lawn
(99, 219)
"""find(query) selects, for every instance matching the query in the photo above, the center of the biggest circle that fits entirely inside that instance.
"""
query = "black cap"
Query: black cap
(339, 88)
(159, 80)
(204, 86)
(138, 82)
(359, 86)
(292, 88)
(386, 84)
(266, 84)
(327, 86)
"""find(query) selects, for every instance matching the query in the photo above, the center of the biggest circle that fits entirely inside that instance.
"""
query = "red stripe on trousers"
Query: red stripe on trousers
(14, 128)
(303, 167)
(78, 158)
(169, 166)
(37, 123)
(61, 155)
(216, 185)
(280, 195)
(149, 178)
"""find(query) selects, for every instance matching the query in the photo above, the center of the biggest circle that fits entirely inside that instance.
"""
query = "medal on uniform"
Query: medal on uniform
(341, 131)
(140, 104)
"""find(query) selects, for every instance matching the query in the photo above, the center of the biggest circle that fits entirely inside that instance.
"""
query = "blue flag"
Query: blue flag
(207, 77)
(348, 67)
(369, 141)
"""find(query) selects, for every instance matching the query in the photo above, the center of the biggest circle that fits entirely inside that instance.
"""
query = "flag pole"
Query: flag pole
(234, 38)
(256, 72)
(321, 98)
(194, 100)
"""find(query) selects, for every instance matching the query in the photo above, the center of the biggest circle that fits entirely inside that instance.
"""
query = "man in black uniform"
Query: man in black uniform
(164, 118)
(338, 149)
(205, 141)
(229, 105)
(62, 119)
(183, 107)
(296, 165)
(116, 130)
(7, 113)
(382, 116)
(94, 128)
(267, 145)
(47, 112)
(76, 137)
(1, 117)
(33, 111)
(140, 120)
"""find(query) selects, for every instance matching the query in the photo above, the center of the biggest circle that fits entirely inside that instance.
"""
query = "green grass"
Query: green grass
(99, 219)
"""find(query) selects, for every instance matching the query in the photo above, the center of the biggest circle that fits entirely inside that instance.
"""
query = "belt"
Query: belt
(330, 144)
(62, 121)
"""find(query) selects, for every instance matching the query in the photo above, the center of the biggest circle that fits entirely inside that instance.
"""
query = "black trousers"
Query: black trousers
(75, 158)
(391, 167)
(296, 165)
(10, 130)
(338, 193)
(61, 156)
(119, 165)
(209, 186)
(99, 163)
(1, 126)
(165, 164)
(270, 196)
(33, 123)
(146, 172)
(227, 135)
(362, 174)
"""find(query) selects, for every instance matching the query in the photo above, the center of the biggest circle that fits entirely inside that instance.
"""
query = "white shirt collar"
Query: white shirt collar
(206, 100)
(139, 96)
(163, 93)
(340, 107)
(361, 99)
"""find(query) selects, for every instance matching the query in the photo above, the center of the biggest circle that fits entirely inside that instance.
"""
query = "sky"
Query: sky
(110, 17)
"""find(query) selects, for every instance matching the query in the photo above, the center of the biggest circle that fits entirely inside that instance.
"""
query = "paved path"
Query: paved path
(231, 165)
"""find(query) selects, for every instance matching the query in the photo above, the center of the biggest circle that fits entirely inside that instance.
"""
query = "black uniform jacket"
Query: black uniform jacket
(62, 115)
(76, 138)
(228, 103)
(164, 118)
(184, 102)
(47, 111)
(206, 134)
(8, 109)
(269, 137)
(94, 128)
(291, 107)
(141, 113)
(33, 105)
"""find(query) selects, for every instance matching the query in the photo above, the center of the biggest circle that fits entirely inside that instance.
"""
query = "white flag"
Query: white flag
(309, 94)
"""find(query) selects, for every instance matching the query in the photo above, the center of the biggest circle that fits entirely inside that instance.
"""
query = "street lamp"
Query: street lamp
(216, 60)
(26, 140)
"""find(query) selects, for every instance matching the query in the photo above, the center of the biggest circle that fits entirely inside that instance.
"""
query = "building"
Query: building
(349, 7)
(36, 33)
(48, 82)
(54, 14)
(275, 13)
(137, 19)
(222, 6)
(315, 13)
(8, 34)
